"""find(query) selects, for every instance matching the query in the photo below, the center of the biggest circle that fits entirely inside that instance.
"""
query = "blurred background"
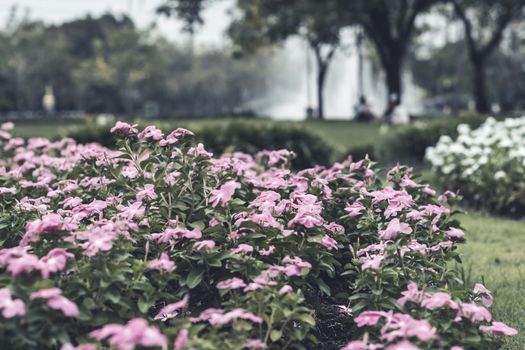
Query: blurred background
(355, 77)
(279, 59)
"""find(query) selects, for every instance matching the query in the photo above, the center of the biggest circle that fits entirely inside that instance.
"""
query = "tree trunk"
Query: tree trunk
(480, 89)
(393, 80)
(321, 78)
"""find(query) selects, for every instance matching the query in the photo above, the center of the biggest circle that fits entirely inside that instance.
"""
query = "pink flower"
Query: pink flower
(11, 307)
(255, 344)
(63, 304)
(49, 223)
(181, 340)
(486, 296)
(394, 228)
(429, 191)
(207, 244)
(18, 260)
(174, 136)
(54, 261)
(438, 300)
(307, 219)
(268, 251)
(474, 312)
(411, 294)
(136, 332)
(150, 132)
(285, 290)
(169, 311)
(242, 248)
(328, 242)
(218, 317)
(369, 318)
(403, 345)
(356, 345)
(7, 126)
(499, 328)
(422, 329)
(295, 266)
(56, 301)
(10, 190)
(221, 319)
(455, 233)
(98, 240)
(162, 264)
(407, 182)
(199, 151)
(232, 283)
(354, 209)
(123, 128)
(147, 193)
(193, 234)
(223, 195)
(372, 263)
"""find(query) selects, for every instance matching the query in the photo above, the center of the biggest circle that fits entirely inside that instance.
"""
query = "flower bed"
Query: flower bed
(160, 245)
(487, 165)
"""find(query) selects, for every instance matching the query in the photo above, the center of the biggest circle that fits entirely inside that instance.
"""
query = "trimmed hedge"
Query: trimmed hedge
(237, 136)
(408, 144)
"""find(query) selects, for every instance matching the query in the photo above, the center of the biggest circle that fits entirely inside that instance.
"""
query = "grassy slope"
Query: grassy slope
(345, 134)
(495, 253)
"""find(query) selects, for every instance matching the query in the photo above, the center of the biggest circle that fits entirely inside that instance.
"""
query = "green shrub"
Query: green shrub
(486, 165)
(409, 143)
(361, 151)
(237, 136)
(160, 243)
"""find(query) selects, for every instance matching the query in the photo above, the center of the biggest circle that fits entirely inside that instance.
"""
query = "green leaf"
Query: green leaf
(194, 278)
(307, 319)
(276, 335)
(143, 305)
(324, 288)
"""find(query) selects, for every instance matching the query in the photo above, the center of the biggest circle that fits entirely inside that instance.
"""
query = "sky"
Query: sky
(142, 12)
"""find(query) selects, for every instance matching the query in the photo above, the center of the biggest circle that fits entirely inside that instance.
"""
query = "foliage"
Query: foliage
(486, 164)
(248, 136)
(271, 22)
(410, 143)
(158, 243)
(108, 65)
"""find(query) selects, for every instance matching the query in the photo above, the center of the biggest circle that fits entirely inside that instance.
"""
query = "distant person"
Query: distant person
(363, 112)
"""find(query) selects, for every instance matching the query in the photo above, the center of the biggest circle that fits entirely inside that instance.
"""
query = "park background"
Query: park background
(249, 75)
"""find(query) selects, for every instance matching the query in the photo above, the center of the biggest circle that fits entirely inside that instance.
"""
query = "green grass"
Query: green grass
(345, 134)
(495, 254)
(340, 134)
(42, 128)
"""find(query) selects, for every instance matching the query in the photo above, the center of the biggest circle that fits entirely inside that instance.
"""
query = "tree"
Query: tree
(269, 22)
(390, 26)
(484, 22)
(189, 11)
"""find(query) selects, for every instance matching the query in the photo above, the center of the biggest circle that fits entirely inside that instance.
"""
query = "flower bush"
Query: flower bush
(249, 136)
(160, 245)
(487, 164)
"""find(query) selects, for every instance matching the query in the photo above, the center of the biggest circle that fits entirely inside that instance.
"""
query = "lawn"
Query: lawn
(494, 253)
(340, 134)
